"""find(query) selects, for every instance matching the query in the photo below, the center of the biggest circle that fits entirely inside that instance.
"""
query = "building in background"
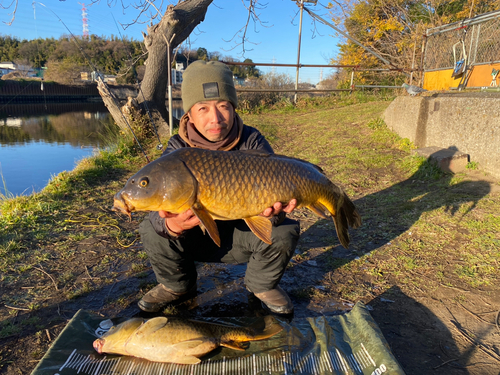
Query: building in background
(92, 77)
(7, 67)
(177, 73)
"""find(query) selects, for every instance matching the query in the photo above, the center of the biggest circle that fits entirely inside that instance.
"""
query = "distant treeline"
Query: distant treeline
(65, 58)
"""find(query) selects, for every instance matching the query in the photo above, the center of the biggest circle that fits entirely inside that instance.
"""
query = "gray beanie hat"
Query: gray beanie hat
(203, 81)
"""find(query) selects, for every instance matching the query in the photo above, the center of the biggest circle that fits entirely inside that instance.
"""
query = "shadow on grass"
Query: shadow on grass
(420, 341)
(392, 211)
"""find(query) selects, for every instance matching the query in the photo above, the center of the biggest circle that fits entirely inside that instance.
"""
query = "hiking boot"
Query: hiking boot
(160, 296)
(276, 300)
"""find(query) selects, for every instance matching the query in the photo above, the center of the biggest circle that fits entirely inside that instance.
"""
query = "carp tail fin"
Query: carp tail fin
(344, 214)
(341, 226)
(271, 328)
(345, 217)
(350, 212)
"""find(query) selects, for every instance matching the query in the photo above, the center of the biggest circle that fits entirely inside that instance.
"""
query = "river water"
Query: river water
(38, 141)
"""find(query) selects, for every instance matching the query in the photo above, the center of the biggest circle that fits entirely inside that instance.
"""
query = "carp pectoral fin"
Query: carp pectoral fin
(207, 222)
(187, 360)
(261, 227)
(182, 348)
(235, 345)
(318, 209)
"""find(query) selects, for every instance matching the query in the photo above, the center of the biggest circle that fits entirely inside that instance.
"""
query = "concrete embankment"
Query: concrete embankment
(466, 122)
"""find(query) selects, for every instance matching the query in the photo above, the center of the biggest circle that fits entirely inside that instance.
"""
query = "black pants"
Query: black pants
(173, 261)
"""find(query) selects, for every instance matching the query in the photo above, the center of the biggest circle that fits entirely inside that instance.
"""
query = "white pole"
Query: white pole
(170, 117)
(298, 52)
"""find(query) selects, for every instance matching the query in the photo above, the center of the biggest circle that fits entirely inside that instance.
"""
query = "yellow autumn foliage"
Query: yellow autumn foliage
(394, 29)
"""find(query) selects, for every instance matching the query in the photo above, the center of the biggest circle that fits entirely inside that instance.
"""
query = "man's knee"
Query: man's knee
(287, 234)
(146, 229)
(152, 242)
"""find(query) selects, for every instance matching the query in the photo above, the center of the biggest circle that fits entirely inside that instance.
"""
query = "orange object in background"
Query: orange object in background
(479, 77)
(440, 80)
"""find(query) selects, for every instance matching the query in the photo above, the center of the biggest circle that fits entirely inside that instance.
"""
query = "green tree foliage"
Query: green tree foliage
(202, 54)
(109, 56)
(251, 70)
(9, 48)
(67, 56)
(187, 56)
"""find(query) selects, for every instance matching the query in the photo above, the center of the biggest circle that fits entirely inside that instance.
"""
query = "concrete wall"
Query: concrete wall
(468, 122)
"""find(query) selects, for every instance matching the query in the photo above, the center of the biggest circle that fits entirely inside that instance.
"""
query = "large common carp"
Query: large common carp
(179, 340)
(224, 185)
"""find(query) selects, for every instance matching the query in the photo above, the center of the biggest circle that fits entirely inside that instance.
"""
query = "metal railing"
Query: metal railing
(353, 69)
(476, 39)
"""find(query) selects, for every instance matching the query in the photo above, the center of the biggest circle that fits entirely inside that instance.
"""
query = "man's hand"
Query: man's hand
(278, 207)
(178, 223)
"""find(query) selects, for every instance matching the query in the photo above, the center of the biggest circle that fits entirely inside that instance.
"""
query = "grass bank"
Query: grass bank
(423, 231)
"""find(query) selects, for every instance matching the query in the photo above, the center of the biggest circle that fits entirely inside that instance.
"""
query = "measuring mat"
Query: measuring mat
(342, 344)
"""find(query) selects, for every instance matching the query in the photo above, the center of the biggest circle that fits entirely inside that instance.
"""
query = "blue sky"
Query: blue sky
(277, 41)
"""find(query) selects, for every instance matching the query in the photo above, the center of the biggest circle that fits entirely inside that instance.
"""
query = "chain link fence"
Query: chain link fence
(477, 40)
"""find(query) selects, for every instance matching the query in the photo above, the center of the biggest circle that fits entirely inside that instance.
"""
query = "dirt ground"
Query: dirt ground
(429, 333)
(431, 325)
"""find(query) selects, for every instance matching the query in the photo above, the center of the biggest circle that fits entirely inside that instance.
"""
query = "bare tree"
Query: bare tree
(65, 72)
(23, 67)
(161, 39)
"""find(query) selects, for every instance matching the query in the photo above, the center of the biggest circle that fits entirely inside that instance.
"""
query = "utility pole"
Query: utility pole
(298, 51)
(301, 6)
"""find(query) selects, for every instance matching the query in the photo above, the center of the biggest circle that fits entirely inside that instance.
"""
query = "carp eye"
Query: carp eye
(144, 182)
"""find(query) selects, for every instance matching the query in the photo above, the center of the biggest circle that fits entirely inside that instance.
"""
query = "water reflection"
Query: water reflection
(74, 128)
(177, 110)
(38, 141)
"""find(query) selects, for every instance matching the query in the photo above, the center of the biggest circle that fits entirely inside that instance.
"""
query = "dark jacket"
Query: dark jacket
(251, 139)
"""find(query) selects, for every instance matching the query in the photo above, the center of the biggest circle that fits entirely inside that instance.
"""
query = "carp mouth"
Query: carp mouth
(98, 345)
(120, 205)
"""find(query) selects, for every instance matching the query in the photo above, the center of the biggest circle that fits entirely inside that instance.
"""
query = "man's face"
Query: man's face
(213, 119)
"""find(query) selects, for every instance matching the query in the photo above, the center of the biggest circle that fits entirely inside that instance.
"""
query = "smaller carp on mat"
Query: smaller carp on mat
(230, 185)
(179, 340)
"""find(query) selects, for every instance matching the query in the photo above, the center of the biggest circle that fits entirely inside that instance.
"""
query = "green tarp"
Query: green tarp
(343, 344)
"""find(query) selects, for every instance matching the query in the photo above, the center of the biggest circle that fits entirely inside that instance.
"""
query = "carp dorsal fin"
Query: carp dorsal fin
(261, 227)
(151, 325)
(207, 221)
(256, 152)
(318, 168)
(235, 345)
